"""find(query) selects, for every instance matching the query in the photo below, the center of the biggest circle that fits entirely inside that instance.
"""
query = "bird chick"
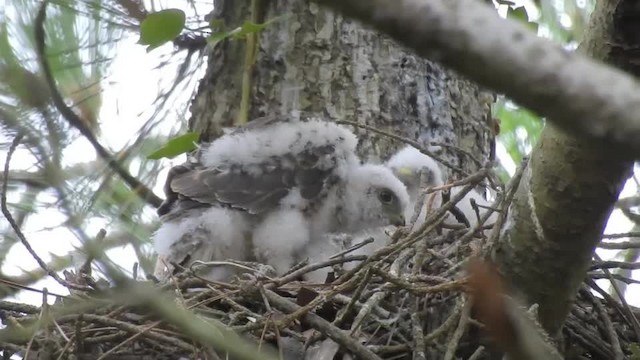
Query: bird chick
(203, 234)
(291, 181)
(371, 196)
(409, 164)
(417, 171)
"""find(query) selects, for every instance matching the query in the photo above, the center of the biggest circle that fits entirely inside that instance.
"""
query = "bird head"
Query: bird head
(375, 197)
(409, 164)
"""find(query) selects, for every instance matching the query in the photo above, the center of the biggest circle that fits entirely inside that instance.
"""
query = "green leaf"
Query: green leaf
(241, 32)
(216, 24)
(519, 130)
(176, 146)
(218, 36)
(520, 14)
(635, 351)
(249, 28)
(161, 27)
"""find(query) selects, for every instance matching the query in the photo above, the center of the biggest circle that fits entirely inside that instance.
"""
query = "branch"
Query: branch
(576, 93)
(13, 284)
(16, 228)
(139, 188)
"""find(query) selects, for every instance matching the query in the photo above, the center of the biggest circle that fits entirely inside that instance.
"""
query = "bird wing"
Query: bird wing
(256, 167)
(257, 191)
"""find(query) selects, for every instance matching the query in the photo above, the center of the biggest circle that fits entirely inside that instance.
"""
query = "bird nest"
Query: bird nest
(413, 299)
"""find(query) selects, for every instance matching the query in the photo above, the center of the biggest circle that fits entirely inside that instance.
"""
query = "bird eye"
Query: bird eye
(385, 196)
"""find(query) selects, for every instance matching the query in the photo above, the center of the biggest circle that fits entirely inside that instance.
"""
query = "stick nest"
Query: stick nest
(409, 300)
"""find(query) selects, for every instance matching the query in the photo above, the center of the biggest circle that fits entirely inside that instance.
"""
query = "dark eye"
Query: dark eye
(385, 196)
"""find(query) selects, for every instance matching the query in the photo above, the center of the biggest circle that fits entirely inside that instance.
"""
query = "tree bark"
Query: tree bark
(316, 61)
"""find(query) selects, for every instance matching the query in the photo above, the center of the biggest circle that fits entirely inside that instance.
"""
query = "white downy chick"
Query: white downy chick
(408, 163)
(293, 181)
(411, 167)
(203, 234)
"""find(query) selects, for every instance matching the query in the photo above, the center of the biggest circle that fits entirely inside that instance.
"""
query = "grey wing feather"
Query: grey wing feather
(235, 186)
(172, 197)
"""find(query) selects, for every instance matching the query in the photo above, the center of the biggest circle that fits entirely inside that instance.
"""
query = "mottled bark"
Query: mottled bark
(557, 218)
(568, 192)
(316, 61)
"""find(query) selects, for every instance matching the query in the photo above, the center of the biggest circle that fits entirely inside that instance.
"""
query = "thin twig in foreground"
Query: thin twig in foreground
(16, 228)
(139, 188)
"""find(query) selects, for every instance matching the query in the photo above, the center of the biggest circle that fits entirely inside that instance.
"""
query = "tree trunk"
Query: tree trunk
(316, 61)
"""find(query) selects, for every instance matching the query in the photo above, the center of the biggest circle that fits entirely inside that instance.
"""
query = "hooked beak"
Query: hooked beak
(398, 220)
(405, 171)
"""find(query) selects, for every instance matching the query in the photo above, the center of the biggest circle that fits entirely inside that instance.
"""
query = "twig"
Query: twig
(16, 228)
(319, 265)
(460, 330)
(352, 248)
(45, 318)
(420, 348)
(139, 188)
(379, 295)
(459, 150)
(510, 192)
(588, 340)
(474, 179)
(344, 312)
(17, 307)
(477, 354)
(422, 290)
(323, 326)
(605, 265)
(320, 299)
(429, 338)
(618, 277)
(621, 235)
(133, 329)
(128, 340)
(623, 245)
(613, 337)
(419, 205)
(275, 328)
(632, 317)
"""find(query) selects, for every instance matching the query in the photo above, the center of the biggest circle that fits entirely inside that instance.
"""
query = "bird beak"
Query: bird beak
(405, 171)
(398, 220)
